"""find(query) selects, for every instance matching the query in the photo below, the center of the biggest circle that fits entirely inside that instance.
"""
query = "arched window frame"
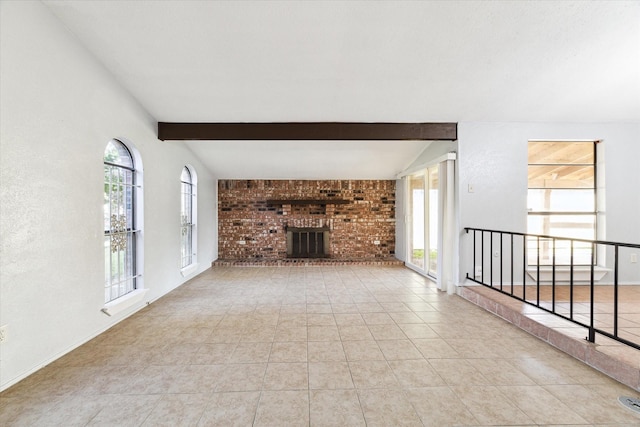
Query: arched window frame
(123, 224)
(188, 220)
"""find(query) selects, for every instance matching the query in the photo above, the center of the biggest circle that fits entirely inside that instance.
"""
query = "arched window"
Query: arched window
(187, 218)
(119, 221)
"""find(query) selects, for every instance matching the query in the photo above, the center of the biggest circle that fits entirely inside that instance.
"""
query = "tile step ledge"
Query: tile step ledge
(620, 362)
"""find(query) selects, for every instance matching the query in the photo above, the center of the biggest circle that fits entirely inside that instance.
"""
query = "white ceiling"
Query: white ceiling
(418, 61)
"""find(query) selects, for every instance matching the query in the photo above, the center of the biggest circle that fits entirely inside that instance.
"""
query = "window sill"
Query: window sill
(124, 302)
(190, 269)
(563, 273)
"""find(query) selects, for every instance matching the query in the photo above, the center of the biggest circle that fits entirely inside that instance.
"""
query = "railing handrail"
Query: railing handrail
(544, 236)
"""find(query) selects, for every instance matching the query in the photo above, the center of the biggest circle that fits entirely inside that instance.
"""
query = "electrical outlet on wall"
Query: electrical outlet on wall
(478, 272)
(633, 258)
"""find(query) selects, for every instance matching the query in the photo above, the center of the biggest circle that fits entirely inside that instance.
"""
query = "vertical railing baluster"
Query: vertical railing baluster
(571, 282)
(511, 269)
(615, 291)
(491, 259)
(524, 267)
(482, 257)
(538, 275)
(500, 260)
(553, 276)
(592, 331)
(473, 270)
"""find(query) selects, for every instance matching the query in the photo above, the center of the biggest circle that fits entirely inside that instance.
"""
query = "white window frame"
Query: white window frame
(137, 292)
(188, 221)
(594, 213)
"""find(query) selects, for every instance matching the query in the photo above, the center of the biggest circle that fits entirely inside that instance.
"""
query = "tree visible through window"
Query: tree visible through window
(561, 200)
(119, 221)
(187, 218)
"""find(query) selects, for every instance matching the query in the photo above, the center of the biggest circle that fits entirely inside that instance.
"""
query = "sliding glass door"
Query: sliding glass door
(422, 226)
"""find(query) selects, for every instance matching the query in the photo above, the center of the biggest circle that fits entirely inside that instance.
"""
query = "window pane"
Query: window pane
(188, 247)
(561, 176)
(433, 220)
(544, 248)
(118, 154)
(130, 268)
(416, 224)
(186, 175)
(186, 210)
(576, 226)
(561, 200)
(550, 152)
(107, 261)
(107, 197)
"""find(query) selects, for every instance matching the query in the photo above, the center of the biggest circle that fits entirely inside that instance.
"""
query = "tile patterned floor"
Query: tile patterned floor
(315, 346)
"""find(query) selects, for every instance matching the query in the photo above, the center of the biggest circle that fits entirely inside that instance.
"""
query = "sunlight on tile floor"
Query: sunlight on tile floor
(315, 346)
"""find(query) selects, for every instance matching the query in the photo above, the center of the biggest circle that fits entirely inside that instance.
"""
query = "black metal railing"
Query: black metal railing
(555, 274)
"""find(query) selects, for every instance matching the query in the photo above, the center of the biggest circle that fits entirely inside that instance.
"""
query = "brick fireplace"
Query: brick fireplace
(283, 219)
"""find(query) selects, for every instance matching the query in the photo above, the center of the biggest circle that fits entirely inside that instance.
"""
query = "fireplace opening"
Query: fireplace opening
(307, 242)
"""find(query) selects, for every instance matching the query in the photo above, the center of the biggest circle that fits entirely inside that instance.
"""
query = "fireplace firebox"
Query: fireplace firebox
(307, 242)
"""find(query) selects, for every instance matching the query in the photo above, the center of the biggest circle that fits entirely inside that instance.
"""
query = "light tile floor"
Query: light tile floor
(318, 346)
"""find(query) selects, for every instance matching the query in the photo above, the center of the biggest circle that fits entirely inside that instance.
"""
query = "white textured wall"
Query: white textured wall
(58, 109)
(492, 157)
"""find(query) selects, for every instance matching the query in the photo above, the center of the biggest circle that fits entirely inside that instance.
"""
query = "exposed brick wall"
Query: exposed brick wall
(250, 228)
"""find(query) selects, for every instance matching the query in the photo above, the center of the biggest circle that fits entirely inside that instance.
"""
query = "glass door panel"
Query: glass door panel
(416, 229)
(432, 220)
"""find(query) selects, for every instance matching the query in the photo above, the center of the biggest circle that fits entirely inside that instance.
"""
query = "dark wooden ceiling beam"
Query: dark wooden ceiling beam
(308, 131)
